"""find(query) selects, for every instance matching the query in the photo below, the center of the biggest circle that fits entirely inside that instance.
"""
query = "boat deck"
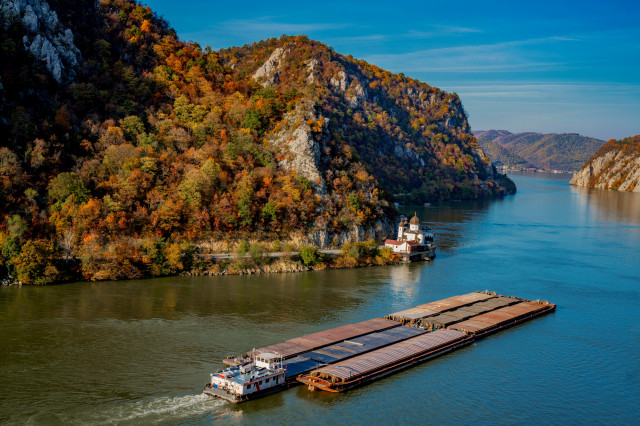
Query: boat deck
(365, 368)
(293, 347)
(449, 330)
(341, 358)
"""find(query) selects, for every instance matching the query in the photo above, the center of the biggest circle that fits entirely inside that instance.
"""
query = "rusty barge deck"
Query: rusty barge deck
(459, 327)
(345, 357)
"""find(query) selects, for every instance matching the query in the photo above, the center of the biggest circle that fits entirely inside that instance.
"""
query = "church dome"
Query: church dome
(414, 219)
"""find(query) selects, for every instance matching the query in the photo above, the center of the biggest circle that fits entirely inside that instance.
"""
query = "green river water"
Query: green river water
(139, 352)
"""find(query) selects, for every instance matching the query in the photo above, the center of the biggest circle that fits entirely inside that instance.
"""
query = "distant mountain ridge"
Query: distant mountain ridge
(501, 156)
(564, 152)
(616, 165)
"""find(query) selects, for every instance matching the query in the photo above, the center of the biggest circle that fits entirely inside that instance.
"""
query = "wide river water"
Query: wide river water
(139, 352)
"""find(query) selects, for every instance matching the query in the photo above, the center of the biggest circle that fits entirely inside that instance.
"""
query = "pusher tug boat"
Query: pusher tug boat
(261, 376)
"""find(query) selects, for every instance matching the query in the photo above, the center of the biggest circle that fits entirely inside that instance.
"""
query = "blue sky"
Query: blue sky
(544, 66)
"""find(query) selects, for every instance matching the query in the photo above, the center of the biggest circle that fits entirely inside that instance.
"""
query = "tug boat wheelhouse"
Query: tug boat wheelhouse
(262, 375)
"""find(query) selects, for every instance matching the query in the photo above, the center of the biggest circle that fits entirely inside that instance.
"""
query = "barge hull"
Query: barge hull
(379, 363)
(237, 399)
(383, 372)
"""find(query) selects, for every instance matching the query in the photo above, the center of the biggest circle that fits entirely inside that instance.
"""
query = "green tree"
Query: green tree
(243, 248)
(11, 241)
(193, 185)
(257, 254)
(66, 185)
(269, 211)
(253, 120)
(132, 126)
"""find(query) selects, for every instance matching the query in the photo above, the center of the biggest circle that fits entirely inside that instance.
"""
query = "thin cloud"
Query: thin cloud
(509, 56)
(269, 25)
(356, 39)
(238, 31)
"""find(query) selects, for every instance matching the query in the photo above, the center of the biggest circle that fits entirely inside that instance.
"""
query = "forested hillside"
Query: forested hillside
(501, 156)
(616, 165)
(125, 148)
(548, 151)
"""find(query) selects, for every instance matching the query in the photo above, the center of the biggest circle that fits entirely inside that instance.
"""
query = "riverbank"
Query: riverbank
(246, 259)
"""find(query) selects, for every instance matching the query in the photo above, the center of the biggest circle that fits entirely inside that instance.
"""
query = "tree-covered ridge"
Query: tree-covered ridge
(501, 156)
(154, 145)
(414, 138)
(629, 146)
(549, 151)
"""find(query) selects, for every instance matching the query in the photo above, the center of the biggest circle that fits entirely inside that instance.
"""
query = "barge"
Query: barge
(363, 369)
(345, 357)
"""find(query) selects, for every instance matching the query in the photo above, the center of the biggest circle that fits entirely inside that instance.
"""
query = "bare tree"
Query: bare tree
(67, 242)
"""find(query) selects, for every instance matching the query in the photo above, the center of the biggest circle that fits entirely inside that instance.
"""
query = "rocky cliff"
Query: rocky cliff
(616, 165)
(45, 37)
(120, 141)
(413, 138)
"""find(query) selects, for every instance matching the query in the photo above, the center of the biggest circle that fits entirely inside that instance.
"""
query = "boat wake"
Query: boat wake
(158, 410)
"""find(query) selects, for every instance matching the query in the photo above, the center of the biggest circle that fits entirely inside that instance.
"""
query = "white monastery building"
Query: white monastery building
(414, 242)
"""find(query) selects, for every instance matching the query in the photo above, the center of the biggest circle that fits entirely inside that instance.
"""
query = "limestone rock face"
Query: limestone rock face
(616, 169)
(381, 230)
(268, 72)
(340, 81)
(301, 145)
(479, 153)
(312, 64)
(47, 39)
(356, 94)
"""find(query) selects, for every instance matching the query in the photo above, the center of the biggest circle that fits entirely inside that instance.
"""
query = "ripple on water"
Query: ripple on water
(149, 411)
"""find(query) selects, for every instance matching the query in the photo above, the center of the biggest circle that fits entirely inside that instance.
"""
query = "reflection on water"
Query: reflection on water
(290, 295)
(451, 221)
(137, 352)
(608, 205)
(405, 278)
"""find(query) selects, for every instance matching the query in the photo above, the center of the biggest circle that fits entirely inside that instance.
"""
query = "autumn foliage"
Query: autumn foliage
(158, 144)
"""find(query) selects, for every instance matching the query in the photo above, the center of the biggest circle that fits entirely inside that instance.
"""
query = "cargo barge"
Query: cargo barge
(363, 369)
(345, 357)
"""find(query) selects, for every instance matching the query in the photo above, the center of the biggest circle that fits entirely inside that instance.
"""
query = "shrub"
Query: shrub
(310, 255)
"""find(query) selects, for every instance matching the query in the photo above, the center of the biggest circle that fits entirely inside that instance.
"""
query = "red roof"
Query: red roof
(394, 242)
(414, 243)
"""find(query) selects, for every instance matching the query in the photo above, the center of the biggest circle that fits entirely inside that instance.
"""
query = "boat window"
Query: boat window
(249, 386)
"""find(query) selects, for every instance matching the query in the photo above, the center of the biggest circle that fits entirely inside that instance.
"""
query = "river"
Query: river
(139, 352)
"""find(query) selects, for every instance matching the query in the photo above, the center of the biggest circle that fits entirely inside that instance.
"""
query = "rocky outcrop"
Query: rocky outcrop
(339, 82)
(268, 72)
(615, 169)
(311, 64)
(478, 152)
(379, 231)
(301, 144)
(46, 37)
